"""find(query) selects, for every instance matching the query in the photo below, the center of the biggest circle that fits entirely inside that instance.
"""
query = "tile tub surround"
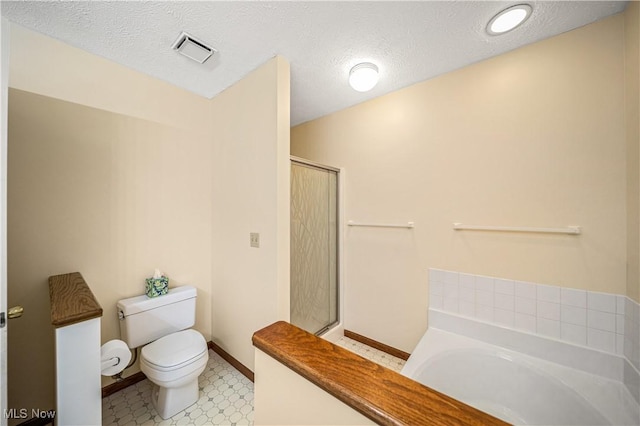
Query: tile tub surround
(601, 321)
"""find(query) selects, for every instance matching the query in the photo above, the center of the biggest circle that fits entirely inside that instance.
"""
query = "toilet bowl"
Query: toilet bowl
(172, 355)
(173, 363)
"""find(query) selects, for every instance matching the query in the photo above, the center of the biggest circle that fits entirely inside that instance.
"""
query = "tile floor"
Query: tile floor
(372, 354)
(226, 395)
(226, 399)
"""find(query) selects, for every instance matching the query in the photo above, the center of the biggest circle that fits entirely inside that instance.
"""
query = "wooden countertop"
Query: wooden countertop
(71, 300)
(378, 393)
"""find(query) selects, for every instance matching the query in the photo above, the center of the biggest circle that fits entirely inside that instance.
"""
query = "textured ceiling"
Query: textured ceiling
(409, 41)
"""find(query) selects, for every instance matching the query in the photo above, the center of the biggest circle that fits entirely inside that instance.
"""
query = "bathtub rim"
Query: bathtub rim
(428, 356)
(599, 363)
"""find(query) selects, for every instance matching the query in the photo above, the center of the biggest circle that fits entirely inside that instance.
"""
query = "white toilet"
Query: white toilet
(174, 355)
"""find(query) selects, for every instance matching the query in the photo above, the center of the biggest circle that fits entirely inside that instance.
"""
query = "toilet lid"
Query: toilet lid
(174, 349)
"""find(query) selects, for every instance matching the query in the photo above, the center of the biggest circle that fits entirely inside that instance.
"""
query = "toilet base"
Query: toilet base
(170, 401)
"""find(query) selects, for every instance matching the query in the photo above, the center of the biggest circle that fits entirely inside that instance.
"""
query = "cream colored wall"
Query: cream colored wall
(282, 397)
(40, 64)
(250, 286)
(105, 194)
(114, 173)
(119, 242)
(632, 121)
(534, 137)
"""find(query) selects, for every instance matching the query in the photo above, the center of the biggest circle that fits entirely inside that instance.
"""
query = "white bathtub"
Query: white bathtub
(515, 387)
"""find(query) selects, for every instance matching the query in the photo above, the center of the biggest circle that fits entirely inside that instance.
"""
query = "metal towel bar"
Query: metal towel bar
(571, 230)
(382, 225)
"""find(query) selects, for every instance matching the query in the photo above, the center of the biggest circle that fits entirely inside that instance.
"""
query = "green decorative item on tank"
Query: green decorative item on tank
(157, 285)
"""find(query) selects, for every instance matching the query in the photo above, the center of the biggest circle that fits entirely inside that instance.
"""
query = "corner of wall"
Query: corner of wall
(632, 128)
(284, 179)
(250, 286)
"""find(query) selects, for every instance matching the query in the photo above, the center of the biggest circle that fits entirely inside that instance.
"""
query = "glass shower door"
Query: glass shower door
(314, 246)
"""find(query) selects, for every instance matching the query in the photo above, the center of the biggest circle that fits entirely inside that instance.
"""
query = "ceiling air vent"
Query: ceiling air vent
(193, 48)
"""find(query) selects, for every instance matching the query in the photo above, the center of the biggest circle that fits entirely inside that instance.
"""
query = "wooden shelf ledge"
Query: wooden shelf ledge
(71, 300)
(378, 393)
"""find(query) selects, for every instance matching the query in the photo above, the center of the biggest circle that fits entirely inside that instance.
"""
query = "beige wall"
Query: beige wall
(534, 137)
(40, 64)
(105, 194)
(632, 121)
(83, 186)
(283, 397)
(251, 190)
(114, 173)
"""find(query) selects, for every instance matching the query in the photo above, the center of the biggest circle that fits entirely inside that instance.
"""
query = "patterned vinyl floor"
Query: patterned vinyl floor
(226, 396)
(372, 354)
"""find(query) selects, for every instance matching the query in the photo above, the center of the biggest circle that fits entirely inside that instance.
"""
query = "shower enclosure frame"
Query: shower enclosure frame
(335, 330)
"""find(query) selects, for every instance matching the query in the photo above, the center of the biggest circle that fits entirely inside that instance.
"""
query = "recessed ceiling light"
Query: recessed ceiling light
(363, 77)
(192, 48)
(509, 19)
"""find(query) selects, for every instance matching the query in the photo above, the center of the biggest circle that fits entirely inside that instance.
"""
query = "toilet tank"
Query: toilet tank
(144, 319)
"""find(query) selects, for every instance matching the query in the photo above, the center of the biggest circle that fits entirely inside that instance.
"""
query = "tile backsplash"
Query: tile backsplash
(602, 321)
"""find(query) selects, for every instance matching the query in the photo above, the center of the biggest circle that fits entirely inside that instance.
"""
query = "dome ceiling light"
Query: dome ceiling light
(509, 19)
(363, 77)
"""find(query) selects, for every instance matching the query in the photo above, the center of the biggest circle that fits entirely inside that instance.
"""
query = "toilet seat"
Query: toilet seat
(174, 351)
(175, 359)
(175, 377)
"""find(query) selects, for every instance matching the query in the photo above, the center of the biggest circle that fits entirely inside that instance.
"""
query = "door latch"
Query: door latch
(15, 312)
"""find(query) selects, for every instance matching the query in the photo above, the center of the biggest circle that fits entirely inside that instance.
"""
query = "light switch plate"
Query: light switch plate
(254, 239)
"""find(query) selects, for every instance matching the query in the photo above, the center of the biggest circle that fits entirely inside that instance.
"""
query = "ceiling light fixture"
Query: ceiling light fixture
(509, 19)
(363, 77)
